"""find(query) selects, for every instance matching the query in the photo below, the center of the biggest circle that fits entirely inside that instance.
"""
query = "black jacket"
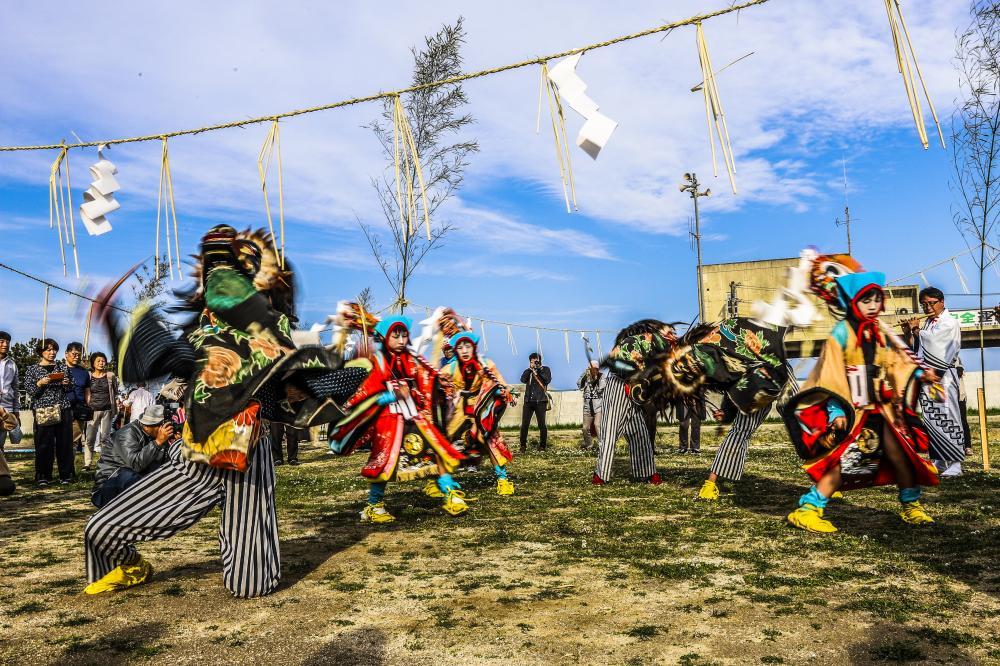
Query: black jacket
(130, 447)
(532, 391)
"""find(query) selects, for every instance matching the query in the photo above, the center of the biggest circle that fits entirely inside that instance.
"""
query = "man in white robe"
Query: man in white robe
(938, 343)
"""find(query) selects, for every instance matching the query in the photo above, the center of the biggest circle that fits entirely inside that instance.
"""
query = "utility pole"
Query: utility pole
(846, 223)
(690, 185)
(847, 210)
(733, 306)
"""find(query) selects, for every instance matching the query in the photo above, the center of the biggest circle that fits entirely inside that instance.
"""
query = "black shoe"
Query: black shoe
(42, 483)
(293, 462)
(695, 452)
(64, 482)
(524, 449)
(682, 451)
(279, 461)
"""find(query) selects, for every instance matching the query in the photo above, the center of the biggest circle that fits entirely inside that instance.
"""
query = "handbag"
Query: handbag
(46, 416)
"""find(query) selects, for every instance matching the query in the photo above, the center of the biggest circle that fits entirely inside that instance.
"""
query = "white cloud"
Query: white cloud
(818, 71)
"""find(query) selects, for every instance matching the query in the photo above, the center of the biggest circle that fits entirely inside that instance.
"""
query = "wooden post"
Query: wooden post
(983, 437)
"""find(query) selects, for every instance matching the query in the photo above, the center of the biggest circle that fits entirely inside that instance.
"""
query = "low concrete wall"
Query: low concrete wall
(973, 380)
(567, 409)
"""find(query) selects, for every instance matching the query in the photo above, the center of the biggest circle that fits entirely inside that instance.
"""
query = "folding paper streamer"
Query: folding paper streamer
(548, 89)
(961, 276)
(97, 200)
(713, 110)
(597, 129)
(61, 207)
(272, 145)
(165, 206)
(903, 48)
(510, 340)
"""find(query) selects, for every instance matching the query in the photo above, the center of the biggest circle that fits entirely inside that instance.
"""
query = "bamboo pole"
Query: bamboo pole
(984, 439)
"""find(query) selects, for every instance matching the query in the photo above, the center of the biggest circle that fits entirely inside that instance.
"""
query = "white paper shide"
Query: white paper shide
(596, 132)
(98, 200)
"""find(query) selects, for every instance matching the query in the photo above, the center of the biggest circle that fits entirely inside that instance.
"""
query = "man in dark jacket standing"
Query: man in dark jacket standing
(136, 450)
(536, 380)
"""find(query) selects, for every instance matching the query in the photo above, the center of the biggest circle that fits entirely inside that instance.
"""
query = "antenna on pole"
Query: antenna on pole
(846, 222)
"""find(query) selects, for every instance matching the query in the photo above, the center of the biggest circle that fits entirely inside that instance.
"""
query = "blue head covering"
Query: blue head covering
(852, 284)
(384, 326)
(463, 335)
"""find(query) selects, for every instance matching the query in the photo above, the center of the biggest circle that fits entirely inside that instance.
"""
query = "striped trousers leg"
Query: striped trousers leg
(731, 457)
(175, 497)
(248, 530)
(620, 416)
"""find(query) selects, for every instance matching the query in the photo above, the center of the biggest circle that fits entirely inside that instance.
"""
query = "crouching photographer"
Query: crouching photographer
(136, 450)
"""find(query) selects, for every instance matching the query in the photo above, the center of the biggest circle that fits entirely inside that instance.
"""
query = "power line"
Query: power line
(58, 288)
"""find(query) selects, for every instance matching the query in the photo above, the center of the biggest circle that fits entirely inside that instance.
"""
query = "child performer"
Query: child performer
(394, 412)
(854, 420)
(482, 397)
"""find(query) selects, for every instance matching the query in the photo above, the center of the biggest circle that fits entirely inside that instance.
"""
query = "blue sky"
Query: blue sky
(821, 86)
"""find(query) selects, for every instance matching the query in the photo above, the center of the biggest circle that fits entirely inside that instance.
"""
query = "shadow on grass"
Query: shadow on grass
(361, 647)
(119, 646)
(888, 643)
(954, 547)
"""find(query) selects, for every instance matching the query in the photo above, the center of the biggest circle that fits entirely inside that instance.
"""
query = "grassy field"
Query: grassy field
(562, 572)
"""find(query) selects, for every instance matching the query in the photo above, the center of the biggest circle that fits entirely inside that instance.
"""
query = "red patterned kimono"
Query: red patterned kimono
(404, 441)
(480, 403)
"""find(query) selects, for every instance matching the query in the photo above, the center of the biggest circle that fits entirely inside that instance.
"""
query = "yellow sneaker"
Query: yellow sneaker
(810, 518)
(122, 577)
(505, 487)
(709, 491)
(837, 495)
(914, 514)
(431, 489)
(376, 513)
(455, 503)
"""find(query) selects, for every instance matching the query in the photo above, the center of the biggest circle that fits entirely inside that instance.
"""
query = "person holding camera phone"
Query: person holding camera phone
(135, 451)
(49, 386)
(536, 380)
(103, 402)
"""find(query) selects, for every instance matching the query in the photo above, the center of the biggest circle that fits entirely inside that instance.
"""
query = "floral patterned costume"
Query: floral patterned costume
(482, 398)
(240, 365)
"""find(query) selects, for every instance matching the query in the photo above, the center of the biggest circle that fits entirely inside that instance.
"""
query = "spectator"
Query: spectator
(963, 407)
(9, 399)
(49, 385)
(292, 437)
(938, 342)
(592, 383)
(7, 486)
(690, 418)
(134, 451)
(536, 380)
(137, 401)
(78, 393)
(104, 402)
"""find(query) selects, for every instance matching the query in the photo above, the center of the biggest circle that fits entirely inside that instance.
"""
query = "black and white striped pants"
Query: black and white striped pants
(622, 417)
(177, 495)
(731, 457)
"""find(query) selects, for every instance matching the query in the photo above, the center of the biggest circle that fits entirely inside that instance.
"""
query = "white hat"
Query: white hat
(153, 416)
